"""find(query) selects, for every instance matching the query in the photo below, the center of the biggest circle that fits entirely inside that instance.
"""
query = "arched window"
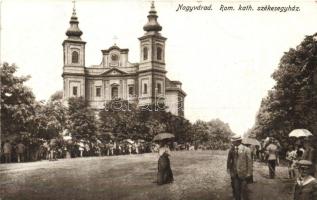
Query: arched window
(159, 53)
(75, 57)
(145, 53)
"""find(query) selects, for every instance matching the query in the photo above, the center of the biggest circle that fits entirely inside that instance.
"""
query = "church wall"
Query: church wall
(113, 77)
(74, 70)
(171, 102)
(124, 60)
(105, 84)
(108, 62)
(73, 81)
(145, 78)
(69, 48)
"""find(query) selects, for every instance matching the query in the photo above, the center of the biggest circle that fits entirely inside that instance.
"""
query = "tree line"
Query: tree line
(292, 102)
(35, 121)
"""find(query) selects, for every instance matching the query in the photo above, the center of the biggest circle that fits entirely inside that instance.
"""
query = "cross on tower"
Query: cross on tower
(115, 39)
(74, 6)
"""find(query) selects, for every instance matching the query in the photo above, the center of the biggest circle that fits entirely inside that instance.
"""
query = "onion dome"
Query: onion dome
(73, 30)
(152, 24)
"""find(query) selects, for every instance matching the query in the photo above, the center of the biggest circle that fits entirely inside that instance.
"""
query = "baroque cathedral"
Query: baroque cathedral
(143, 83)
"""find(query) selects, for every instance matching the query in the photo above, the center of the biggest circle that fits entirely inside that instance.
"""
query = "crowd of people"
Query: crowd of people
(22, 151)
(25, 150)
(301, 159)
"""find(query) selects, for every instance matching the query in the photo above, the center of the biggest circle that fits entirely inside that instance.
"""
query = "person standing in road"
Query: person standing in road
(20, 150)
(272, 151)
(7, 150)
(164, 174)
(310, 152)
(291, 157)
(306, 184)
(230, 163)
(239, 166)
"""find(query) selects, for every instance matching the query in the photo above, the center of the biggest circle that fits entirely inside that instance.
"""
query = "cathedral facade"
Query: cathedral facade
(143, 83)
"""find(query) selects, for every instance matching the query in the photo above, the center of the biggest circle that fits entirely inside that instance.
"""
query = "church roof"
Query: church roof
(116, 70)
(73, 30)
(174, 86)
(114, 47)
(152, 25)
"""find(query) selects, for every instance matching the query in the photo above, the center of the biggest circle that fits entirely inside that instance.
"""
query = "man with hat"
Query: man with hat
(272, 151)
(310, 152)
(306, 184)
(239, 166)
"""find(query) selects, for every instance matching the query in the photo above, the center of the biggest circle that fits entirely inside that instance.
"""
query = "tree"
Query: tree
(17, 102)
(215, 134)
(219, 131)
(292, 103)
(124, 120)
(81, 120)
(200, 131)
(119, 118)
(50, 119)
(57, 96)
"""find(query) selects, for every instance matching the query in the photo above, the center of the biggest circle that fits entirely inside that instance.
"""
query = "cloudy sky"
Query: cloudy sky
(224, 59)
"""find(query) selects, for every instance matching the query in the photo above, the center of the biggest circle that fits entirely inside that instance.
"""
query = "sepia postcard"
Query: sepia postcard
(164, 99)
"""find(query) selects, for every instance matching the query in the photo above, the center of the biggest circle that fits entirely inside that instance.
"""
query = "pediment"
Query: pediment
(113, 72)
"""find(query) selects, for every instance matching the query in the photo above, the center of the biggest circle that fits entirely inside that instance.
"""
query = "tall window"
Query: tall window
(131, 90)
(114, 92)
(98, 91)
(159, 53)
(75, 91)
(144, 88)
(145, 53)
(159, 88)
(75, 57)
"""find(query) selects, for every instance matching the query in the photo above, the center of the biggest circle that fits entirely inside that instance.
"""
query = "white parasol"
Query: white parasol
(300, 133)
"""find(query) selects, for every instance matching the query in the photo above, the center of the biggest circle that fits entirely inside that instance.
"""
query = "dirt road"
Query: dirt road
(199, 175)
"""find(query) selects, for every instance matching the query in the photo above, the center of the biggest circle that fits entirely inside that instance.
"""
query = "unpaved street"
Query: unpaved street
(198, 175)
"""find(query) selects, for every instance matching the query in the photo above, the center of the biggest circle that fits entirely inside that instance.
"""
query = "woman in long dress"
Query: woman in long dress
(165, 174)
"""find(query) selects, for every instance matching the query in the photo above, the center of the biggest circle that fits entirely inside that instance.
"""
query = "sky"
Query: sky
(223, 58)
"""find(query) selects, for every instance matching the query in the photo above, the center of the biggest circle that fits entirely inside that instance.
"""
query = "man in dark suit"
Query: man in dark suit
(310, 152)
(239, 166)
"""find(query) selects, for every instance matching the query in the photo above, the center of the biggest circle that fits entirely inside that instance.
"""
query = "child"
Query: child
(291, 157)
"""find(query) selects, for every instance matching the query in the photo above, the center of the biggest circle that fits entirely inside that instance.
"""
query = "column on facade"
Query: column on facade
(107, 90)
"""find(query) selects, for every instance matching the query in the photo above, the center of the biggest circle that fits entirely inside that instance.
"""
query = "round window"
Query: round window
(114, 57)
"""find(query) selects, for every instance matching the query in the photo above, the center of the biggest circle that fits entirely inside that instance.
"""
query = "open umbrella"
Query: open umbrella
(129, 141)
(300, 133)
(251, 141)
(163, 136)
(141, 140)
(67, 137)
